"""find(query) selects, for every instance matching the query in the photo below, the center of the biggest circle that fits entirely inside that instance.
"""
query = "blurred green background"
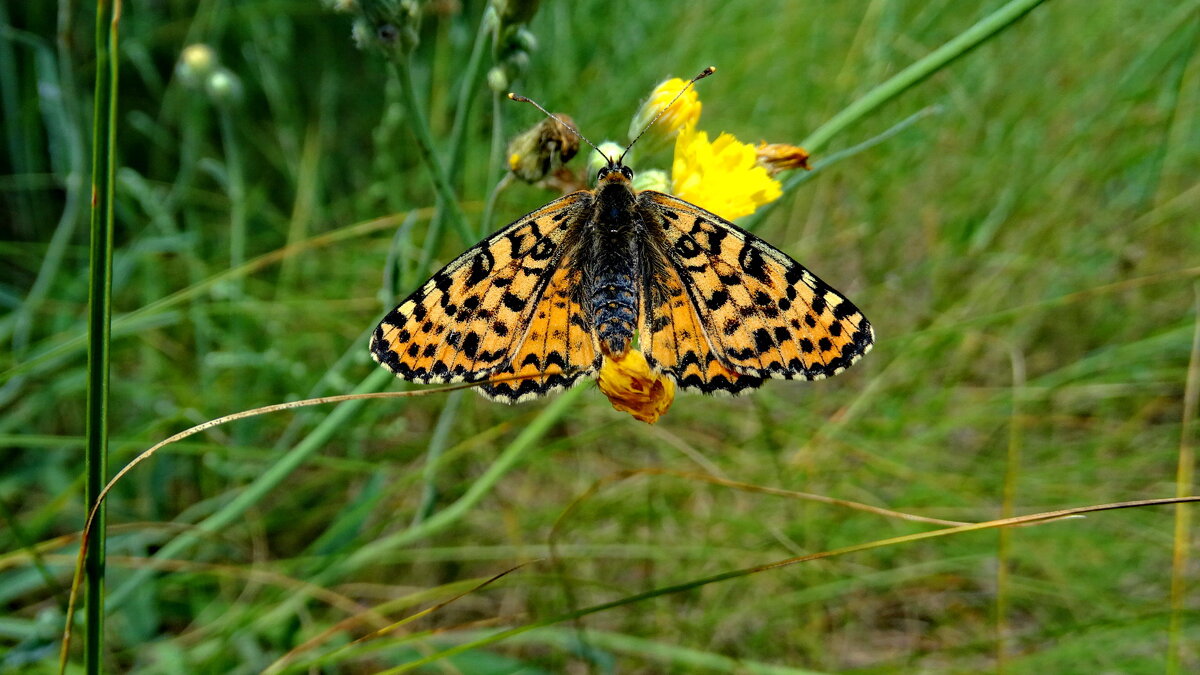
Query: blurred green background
(1028, 256)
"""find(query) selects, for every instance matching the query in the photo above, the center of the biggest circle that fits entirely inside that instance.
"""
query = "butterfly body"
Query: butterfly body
(552, 295)
(611, 263)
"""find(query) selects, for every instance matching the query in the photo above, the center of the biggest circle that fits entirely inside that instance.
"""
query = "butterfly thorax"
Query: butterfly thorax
(612, 263)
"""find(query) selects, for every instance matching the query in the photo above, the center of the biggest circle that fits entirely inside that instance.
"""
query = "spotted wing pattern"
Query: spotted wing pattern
(674, 341)
(560, 344)
(472, 317)
(764, 315)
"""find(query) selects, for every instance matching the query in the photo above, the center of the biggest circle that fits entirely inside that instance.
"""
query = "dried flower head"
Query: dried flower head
(776, 157)
(542, 149)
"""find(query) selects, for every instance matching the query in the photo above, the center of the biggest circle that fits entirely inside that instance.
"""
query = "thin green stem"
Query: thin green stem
(437, 445)
(936, 60)
(466, 95)
(104, 132)
(237, 194)
(494, 161)
(802, 177)
(1012, 467)
(447, 200)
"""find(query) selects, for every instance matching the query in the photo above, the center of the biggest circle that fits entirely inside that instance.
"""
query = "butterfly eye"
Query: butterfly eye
(627, 172)
(602, 173)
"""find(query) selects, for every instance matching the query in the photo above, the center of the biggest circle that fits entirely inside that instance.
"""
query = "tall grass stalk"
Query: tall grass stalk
(1012, 467)
(1183, 486)
(104, 135)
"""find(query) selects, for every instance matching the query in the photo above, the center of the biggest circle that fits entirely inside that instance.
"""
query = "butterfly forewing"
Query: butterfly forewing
(471, 317)
(764, 314)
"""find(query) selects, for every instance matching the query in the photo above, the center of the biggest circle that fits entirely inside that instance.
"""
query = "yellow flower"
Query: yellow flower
(631, 387)
(685, 112)
(721, 176)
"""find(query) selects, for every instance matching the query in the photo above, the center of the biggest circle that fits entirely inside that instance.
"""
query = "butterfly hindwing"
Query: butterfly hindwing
(764, 314)
(674, 340)
(471, 317)
(559, 344)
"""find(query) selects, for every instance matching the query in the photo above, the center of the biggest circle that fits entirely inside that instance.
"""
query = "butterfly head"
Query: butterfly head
(614, 171)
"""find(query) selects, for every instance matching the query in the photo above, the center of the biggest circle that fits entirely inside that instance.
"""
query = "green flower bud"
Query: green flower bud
(651, 179)
(597, 162)
(223, 87)
(497, 79)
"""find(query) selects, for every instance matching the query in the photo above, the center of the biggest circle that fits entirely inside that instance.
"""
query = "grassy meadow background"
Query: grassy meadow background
(1028, 254)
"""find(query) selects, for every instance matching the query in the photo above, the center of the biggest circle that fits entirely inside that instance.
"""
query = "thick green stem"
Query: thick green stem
(100, 314)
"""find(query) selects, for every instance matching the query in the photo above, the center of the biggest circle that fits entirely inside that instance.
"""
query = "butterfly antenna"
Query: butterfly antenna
(703, 74)
(521, 99)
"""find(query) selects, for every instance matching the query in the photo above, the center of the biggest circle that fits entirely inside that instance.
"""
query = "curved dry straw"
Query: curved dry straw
(192, 431)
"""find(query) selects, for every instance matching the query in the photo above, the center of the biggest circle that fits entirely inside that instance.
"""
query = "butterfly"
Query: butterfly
(540, 304)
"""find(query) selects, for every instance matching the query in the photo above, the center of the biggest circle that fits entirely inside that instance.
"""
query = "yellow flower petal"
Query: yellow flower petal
(722, 176)
(631, 387)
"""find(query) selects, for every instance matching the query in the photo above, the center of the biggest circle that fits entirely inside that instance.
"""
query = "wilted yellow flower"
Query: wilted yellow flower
(685, 112)
(722, 176)
(631, 387)
(776, 157)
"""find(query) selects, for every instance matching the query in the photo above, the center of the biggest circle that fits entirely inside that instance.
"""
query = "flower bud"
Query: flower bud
(497, 79)
(223, 87)
(195, 63)
(598, 160)
(684, 112)
(542, 150)
(652, 179)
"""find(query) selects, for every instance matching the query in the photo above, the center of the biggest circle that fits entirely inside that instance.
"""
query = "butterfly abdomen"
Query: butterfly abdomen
(613, 259)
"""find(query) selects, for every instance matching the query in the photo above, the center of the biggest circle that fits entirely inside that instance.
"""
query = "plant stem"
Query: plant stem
(936, 60)
(100, 314)
(466, 94)
(447, 200)
(1183, 485)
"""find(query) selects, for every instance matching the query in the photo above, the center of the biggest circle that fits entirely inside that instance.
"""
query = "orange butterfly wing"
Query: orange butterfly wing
(560, 345)
(473, 317)
(762, 313)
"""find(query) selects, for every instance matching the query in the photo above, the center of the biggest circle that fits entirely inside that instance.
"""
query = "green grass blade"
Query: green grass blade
(939, 58)
(100, 313)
